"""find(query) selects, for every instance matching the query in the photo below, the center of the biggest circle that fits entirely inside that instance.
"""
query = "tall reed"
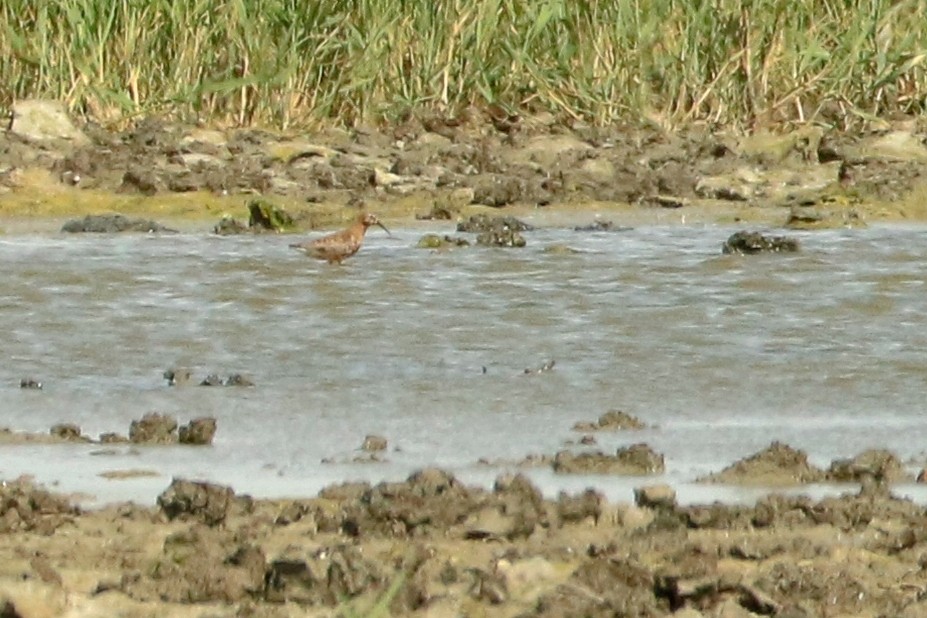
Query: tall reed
(309, 62)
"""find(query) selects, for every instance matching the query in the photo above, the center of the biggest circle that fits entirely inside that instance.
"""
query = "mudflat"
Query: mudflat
(430, 545)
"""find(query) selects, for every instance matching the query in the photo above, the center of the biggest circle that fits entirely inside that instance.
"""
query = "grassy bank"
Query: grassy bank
(297, 62)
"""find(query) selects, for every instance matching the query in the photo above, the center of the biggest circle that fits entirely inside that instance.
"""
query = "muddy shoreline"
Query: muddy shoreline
(434, 546)
(431, 545)
(433, 167)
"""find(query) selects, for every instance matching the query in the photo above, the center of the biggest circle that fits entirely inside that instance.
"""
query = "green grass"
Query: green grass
(288, 63)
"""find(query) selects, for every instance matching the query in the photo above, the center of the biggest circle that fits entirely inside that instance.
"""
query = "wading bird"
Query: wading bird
(337, 246)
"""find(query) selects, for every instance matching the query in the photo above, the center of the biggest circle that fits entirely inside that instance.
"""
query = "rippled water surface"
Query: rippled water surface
(825, 350)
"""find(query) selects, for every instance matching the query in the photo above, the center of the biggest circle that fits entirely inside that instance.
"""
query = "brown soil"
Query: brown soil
(190, 177)
(431, 546)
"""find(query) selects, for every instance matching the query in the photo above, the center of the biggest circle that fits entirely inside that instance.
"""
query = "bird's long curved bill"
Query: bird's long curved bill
(384, 229)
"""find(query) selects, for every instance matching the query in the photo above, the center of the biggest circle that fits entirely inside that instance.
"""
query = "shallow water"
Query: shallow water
(825, 350)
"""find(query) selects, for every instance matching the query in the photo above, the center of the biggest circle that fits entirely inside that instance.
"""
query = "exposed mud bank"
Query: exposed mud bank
(450, 168)
(432, 546)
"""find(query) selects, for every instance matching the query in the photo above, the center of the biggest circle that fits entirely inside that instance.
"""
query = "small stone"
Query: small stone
(374, 443)
(206, 502)
(177, 376)
(212, 379)
(237, 379)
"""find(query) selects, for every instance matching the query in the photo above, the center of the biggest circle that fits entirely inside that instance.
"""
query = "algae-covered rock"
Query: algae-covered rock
(208, 503)
(267, 216)
(753, 242)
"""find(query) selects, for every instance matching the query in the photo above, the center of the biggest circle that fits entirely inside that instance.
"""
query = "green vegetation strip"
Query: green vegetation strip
(301, 63)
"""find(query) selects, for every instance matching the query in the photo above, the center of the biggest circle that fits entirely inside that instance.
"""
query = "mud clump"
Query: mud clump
(177, 376)
(154, 428)
(776, 465)
(504, 551)
(113, 224)
(613, 420)
(373, 444)
(655, 497)
(201, 565)
(199, 431)
(749, 243)
(876, 465)
(67, 431)
(196, 500)
(634, 460)
(25, 507)
(429, 499)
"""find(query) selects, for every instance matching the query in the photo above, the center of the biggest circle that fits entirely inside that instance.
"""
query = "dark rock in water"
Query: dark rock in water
(237, 379)
(228, 226)
(30, 383)
(484, 223)
(505, 238)
(113, 224)
(269, 217)
(177, 376)
(66, 431)
(199, 431)
(754, 242)
(196, 500)
(154, 428)
(212, 379)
